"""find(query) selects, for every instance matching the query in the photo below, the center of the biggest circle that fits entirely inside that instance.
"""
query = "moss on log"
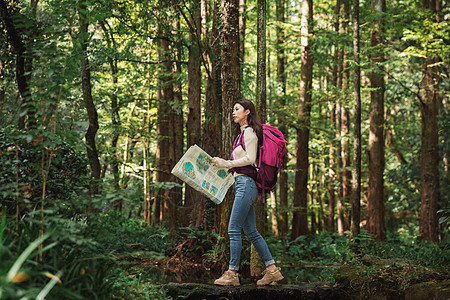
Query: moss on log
(310, 291)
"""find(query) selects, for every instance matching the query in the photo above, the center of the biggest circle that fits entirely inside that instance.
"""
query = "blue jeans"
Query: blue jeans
(243, 216)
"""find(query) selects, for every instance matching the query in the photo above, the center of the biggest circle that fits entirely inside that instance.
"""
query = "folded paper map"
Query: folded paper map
(195, 168)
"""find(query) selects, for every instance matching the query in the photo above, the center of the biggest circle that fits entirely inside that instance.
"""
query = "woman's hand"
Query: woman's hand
(219, 162)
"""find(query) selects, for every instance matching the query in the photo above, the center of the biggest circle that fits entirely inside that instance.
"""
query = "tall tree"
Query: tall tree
(193, 198)
(256, 264)
(375, 198)
(213, 97)
(429, 179)
(281, 97)
(165, 97)
(230, 75)
(242, 25)
(177, 123)
(332, 109)
(91, 148)
(23, 62)
(345, 123)
(356, 173)
(299, 221)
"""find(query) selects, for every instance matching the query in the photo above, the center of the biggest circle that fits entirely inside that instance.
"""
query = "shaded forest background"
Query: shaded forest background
(100, 99)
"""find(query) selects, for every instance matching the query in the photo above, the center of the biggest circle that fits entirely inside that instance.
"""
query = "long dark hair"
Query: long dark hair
(252, 118)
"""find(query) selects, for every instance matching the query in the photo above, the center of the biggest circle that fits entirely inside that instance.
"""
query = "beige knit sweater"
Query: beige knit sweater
(242, 157)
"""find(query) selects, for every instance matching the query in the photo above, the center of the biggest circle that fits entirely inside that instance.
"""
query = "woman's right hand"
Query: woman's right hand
(219, 162)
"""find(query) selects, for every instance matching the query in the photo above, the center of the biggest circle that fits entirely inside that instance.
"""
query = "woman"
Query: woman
(242, 166)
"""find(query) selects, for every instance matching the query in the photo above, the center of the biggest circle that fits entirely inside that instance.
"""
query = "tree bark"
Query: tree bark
(375, 198)
(282, 216)
(242, 23)
(177, 127)
(230, 74)
(256, 263)
(22, 58)
(429, 179)
(356, 173)
(299, 221)
(164, 96)
(91, 148)
(331, 170)
(213, 102)
(332, 109)
(193, 198)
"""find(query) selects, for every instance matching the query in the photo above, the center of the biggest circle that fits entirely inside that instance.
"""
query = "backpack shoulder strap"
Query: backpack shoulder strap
(239, 141)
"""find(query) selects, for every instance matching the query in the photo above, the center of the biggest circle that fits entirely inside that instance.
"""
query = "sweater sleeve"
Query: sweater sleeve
(251, 148)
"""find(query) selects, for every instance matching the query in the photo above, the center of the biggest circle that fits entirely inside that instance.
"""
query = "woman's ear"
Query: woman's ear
(247, 112)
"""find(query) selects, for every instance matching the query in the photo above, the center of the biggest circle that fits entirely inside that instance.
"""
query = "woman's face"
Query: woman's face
(240, 114)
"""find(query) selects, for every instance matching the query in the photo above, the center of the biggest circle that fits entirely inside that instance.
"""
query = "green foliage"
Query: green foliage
(65, 259)
(23, 168)
(117, 233)
(315, 257)
(132, 287)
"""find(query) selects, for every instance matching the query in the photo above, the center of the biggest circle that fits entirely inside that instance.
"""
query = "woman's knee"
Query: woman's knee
(234, 231)
(252, 234)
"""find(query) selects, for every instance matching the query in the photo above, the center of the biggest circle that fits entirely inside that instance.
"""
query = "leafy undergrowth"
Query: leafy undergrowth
(110, 256)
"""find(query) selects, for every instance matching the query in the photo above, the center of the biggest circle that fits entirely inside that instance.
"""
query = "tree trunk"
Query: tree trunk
(164, 97)
(193, 198)
(256, 263)
(299, 221)
(281, 97)
(332, 109)
(429, 179)
(356, 173)
(375, 198)
(115, 118)
(242, 23)
(339, 201)
(22, 58)
(331, 170)
(212, 130)
(230, 90)
(178, 127)
(91, 148)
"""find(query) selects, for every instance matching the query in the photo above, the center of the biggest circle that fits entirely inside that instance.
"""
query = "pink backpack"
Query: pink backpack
(270, 156)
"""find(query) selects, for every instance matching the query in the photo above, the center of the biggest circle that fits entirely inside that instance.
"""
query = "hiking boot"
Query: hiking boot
(270, 277)
(228, 278)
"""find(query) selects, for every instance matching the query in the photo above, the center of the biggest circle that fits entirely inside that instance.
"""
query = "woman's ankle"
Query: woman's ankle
(272, 268)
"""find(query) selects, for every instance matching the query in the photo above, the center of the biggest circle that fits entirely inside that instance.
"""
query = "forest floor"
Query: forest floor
(182, 278)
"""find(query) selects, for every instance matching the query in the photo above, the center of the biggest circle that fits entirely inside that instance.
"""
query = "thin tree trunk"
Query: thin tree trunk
(332, 109)
(281, 97)
(331, 170)
(429, 179)
(178, 125)
(230, 89)
(340, 200)
(256, 263)
(299, 221)
(21, 62)
(213, 103)
(91, 148)
(193, 199)
(242, 23)
(164, 96)
(375, 198)
(356, 173)
(115, 118)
